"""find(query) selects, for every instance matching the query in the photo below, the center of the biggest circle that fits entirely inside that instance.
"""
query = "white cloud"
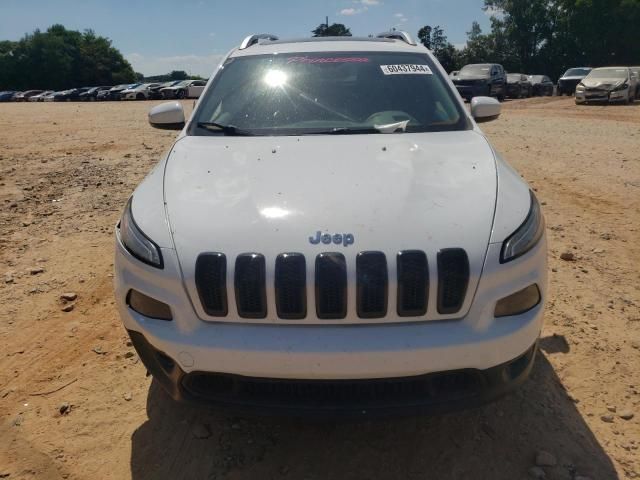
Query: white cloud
(202, 65)
(358, 10)
(492, 12)
(401, 18)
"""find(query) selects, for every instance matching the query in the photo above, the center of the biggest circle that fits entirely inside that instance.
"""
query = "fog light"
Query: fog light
(148, 306)
(519, 302)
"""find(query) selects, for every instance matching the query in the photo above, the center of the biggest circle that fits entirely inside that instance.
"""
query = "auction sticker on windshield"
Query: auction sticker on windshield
(406, 69)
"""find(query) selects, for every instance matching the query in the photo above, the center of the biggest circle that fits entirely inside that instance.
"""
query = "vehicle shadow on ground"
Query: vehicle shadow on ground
(493, 442)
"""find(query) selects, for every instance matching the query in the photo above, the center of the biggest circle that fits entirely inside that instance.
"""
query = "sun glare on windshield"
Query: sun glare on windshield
(275, 78)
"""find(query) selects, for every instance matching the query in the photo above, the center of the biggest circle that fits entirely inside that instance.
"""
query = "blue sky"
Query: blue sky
(162, 35)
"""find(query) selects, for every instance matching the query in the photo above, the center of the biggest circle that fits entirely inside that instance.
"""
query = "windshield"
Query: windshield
(296, 94)
(476, 70)
(514, 76)
(577, 72)
(617, 73)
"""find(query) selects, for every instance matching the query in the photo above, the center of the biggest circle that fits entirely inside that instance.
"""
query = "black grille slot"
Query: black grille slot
(251, 297)
(413, 283)
(211, 282)
(453, 279)
(291, 286)
(331, 286)
(371, 296)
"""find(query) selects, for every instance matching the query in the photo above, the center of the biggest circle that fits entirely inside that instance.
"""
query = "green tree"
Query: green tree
(333, 30)
(435, 40)
(61, 58)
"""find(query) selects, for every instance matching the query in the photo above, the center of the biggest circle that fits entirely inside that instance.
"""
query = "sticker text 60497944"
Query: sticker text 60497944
(406, 69)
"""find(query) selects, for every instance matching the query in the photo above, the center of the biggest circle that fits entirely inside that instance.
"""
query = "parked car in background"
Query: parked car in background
(567, 83)
(114, 92)
(73, 94)
(156, 94)
(184, 89)
(40, 97)
(140, 92)
(483, 79)
(7, 95)
(51, 96)
(636, 71)
(518, 86)
(24, 96)
(608, 84)
(91, 95)
(541, 85)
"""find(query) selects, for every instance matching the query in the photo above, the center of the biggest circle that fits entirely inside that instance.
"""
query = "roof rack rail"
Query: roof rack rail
(397, 35)
(253, 39)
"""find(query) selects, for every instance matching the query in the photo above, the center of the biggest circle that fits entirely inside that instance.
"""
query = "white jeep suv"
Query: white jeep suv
(332, 233)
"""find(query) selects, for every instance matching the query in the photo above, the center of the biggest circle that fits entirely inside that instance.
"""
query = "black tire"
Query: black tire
(140, 96)
(181, 94)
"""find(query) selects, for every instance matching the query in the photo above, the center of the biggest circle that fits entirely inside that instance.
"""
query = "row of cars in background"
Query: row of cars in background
(608, 84)
(491, 80)
(605, 84)
(129, 91)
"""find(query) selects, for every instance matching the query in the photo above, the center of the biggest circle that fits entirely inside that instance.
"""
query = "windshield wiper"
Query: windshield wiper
(230, 130)
(346, 131)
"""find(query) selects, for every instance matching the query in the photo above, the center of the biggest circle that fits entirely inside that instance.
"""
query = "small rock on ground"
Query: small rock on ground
(568, 256)
(607, 418)
(127, 396)
(68, 307)
(69, 296)
(64, 408)
(626, 415)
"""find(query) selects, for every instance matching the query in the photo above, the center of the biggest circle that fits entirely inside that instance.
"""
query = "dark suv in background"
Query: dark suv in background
(568, 82)
(481, 80)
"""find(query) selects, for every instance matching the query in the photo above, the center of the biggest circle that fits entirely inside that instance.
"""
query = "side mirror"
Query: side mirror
(167, 116)
(485, 109)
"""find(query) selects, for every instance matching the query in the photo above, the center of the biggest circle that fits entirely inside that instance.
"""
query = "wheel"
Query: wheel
(182, 94)
(140, 96)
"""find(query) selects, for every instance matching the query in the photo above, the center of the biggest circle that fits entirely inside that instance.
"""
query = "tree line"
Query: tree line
(539, 36)
(59, 58)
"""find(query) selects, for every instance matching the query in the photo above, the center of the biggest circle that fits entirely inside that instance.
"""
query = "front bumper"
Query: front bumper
(425, 394)
(603, 96)
(477, 341)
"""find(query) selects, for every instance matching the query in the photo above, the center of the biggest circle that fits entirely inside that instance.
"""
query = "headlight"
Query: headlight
(623, 86)
(526, 236)
(136, 242)
(580, 87)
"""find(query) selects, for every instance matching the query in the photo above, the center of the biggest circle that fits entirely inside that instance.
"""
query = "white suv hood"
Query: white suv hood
(270, 194)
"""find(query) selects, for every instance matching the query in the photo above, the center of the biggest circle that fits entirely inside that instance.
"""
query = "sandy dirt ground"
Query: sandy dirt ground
(74, 399)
